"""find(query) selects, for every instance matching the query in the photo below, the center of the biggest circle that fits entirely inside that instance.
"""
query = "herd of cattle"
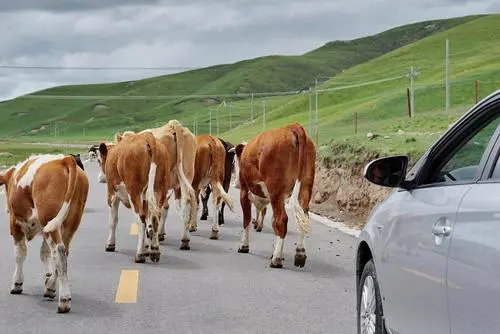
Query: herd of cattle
(46, 194)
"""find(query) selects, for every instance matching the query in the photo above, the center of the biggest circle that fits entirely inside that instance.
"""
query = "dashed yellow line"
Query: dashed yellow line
(127, 287)
(134, 228)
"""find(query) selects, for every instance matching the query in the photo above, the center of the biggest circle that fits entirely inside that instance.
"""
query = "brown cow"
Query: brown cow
(210, 169)
(181, 147)
(46, 194)
(136, 171)
(275, 165)
(228, 172)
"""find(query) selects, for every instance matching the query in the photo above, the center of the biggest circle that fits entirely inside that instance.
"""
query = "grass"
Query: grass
(12, 152)
(98, 119)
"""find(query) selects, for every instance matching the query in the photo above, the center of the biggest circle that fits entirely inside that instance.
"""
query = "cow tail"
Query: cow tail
(56, 222)
(301, 217)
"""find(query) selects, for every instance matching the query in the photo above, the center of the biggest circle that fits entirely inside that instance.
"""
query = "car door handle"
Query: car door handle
(439, 230)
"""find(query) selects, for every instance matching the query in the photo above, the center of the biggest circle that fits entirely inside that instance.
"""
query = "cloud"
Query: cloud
(184, 32)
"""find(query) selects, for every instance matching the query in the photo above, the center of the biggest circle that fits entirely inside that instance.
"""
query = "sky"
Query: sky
(185, 33)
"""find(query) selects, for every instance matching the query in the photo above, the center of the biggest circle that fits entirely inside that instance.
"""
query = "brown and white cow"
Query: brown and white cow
(46, 194)
(181, 146)
(136, 171)
(275, 165)
(228, 172)
(210, 169)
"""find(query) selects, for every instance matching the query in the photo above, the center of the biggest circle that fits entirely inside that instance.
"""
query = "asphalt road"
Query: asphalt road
(209, 289)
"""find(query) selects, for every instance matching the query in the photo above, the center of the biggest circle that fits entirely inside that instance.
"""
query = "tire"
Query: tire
(368, 275)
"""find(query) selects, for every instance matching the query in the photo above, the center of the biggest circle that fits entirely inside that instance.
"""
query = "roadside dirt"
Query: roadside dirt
(343, 195)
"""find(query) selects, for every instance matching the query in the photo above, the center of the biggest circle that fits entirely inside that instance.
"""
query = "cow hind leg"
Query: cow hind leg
(183, 207)
(204, 200)
(154, 253)
(216, 205)
(220, 214)
(113, 222)
(162, 234)
(280, 221)
(246, 207)
(50, 273)
(20, 251)
(60, 263)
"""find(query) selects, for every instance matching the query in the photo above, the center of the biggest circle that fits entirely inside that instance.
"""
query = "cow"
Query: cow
(181, 147)
(260, 207)
(46, 195)
(136, 171)
(276, 165)
(93, 152)
(228, 172)
(210, 169)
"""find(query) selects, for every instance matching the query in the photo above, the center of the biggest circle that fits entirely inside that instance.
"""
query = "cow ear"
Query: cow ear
(239, 148)
(5, 176)
(103, 149)
(118, 137)
(231, 150)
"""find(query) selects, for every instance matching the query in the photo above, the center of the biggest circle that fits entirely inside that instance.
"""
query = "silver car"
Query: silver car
(428, 259)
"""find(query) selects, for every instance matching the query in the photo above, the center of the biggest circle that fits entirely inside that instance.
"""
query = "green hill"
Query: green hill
(382, 107)
(97, 115)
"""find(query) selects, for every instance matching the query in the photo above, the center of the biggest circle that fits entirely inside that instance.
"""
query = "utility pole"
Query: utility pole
(317, 124)
(412, 75)
(230, 117)
(217, 120)
(210, 121)
(310, 112)
(447, 75)
(251, 110)
(263, 114)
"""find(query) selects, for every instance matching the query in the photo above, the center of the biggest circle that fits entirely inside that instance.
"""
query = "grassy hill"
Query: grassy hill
(382, 107)
(97, 118)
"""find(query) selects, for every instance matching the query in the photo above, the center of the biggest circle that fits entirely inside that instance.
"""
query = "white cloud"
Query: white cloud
(185, 33)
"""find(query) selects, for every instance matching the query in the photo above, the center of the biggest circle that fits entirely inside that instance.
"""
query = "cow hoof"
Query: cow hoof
(259, 229)
(161, 237)
(214, 235)
(278, 264)
(64, 305)
(254, 223)
(185, 246)
(244, 249)
(155, 257)
(110, 248)
(49, 293)
(140, 258)
(300, 260)
(17, 289)
(204, 216)
(193, 229)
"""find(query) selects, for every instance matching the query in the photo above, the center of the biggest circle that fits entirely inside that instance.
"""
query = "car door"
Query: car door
(417, 240)
(474, 256)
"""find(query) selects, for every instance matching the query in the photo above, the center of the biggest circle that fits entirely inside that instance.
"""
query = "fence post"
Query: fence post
(476, 90)
(263, 114)
(317, 124)
(409, 102)
(356, 122)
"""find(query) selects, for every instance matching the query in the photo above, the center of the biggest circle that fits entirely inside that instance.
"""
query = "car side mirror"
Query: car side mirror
(387, 172)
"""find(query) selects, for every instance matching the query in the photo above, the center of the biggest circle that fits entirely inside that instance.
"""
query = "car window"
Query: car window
(461, 166)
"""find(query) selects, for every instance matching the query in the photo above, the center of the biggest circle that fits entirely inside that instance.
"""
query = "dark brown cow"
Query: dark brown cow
(210, 169)
(275, 165)
(228, 172)
(136, 171)
(46, 194)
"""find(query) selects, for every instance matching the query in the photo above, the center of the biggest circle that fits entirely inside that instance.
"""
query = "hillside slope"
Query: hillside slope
(95, 118)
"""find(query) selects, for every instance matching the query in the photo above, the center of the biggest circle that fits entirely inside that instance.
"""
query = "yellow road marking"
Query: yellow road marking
(127, 287)
(134, 229)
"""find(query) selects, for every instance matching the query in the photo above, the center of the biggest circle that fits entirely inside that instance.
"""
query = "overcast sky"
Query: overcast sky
(154, 33)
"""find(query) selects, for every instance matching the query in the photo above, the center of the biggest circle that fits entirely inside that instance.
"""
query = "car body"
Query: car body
(428, 259)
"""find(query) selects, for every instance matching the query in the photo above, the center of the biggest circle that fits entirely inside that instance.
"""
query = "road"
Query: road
(209, 289)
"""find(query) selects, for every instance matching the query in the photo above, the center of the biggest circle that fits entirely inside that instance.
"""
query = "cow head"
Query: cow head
(5, 178)
(78, 160)
(101, 159)
(237, 150)
(93, 151)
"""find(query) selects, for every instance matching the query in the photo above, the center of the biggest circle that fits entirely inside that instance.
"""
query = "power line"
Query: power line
(96, 68)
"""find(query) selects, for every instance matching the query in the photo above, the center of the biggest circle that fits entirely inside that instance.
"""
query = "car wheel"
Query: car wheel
(369, 302)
